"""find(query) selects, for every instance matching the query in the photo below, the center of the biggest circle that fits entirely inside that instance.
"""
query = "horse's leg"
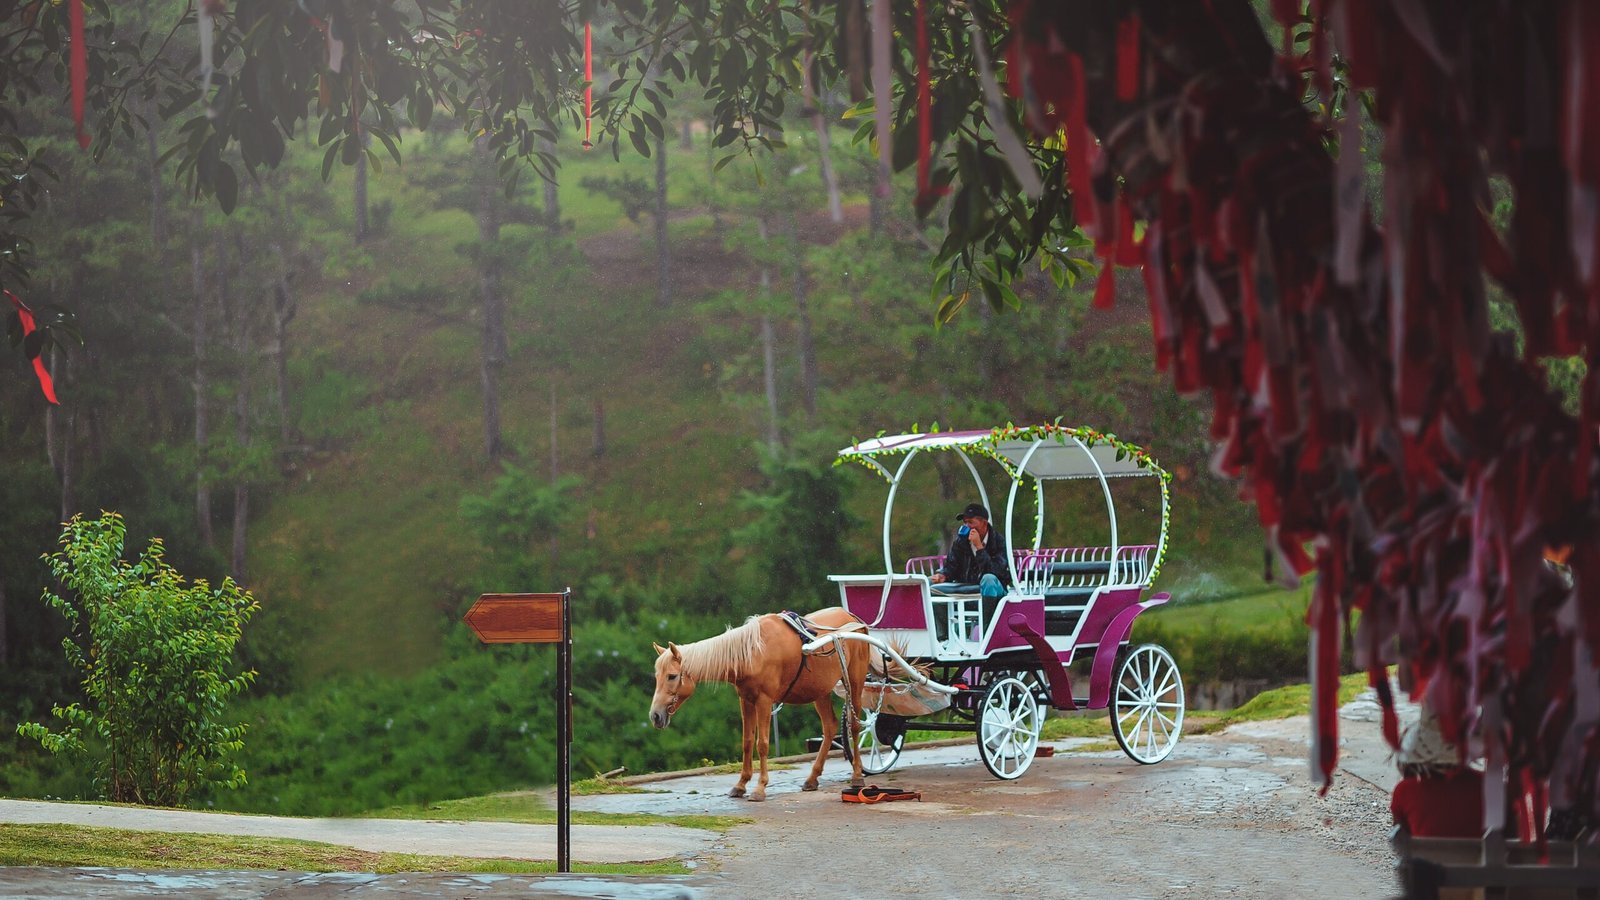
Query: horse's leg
(763, 723)
(858, 677)
(830, 728)
(747, 721)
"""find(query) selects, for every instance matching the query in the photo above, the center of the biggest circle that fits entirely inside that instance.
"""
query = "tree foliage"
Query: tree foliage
(156, 659)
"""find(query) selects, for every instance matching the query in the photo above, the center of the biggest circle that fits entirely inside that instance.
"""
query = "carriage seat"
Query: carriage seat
(950, 587)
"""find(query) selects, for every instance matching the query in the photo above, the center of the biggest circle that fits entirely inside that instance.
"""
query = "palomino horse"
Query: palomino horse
(762, 660)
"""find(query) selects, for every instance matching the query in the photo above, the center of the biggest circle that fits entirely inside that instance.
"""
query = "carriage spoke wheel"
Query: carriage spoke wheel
(1147, 709)
(1009, 719)
(878, 741)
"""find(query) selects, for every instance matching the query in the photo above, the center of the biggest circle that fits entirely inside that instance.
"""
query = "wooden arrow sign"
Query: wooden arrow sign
(516, 618)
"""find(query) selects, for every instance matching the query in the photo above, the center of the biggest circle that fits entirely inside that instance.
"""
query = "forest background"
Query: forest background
(374, 391)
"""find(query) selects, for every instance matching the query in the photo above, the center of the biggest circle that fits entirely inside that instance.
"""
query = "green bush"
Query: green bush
(155, 657)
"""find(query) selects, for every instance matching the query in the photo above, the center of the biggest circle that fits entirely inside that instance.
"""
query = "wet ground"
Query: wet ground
(1231, 815)
(1228, 815)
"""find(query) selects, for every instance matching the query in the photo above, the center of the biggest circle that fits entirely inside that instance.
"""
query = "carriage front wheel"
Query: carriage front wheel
(1009, 719)
(878, 741)
(1147, 709)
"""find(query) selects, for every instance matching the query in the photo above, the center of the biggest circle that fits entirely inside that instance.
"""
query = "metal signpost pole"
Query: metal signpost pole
(564, 738)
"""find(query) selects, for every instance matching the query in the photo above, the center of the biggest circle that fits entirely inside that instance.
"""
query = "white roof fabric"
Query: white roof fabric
(1060, 455)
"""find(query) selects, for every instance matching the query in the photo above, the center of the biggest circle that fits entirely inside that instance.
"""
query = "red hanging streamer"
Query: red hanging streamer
(588, 87)
(26, 315)
(1128, 58)
(80, 71)
(925, 191)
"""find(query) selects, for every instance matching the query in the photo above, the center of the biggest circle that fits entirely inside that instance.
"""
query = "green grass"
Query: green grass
(531, 808)
(1284, 702)
(74, 845)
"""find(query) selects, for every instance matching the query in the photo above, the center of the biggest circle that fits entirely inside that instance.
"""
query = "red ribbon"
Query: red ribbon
(1128, 58)
(588, 88)
(925, 109)
(28, 327)
(80, 74)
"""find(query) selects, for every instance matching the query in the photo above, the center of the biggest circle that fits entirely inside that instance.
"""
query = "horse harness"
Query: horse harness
(808, 631)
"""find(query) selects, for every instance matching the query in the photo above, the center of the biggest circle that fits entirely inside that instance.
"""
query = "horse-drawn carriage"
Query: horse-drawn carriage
(904, 646)
(998, 664)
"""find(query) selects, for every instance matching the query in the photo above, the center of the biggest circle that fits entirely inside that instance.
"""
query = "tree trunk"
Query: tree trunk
(241, 487)
(982, 365)
(361, 188)
(202, 387)
(813, 107)
(236, 324)
(5, 636)
(769, 376)
(686, 135)
(552, 194)
(65, 373)
(877, 215)
(283, 311)
(663, 249)
(494, 330)
(555, 471)
(802, 313)
(52, 428)
(855, 50)
(769, 355)
(158, 200)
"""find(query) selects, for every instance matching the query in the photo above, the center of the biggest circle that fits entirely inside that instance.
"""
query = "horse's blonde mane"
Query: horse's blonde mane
(723, 657)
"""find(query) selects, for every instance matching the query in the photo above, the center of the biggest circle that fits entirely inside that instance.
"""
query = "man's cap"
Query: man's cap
(973, 509)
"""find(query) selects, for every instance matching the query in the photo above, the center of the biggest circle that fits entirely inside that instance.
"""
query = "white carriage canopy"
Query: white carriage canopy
(1039, 452)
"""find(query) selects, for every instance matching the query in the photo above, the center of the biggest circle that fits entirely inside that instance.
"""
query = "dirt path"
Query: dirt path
(1229, 815)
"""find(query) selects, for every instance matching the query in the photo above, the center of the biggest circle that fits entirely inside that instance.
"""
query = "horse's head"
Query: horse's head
(672, 685)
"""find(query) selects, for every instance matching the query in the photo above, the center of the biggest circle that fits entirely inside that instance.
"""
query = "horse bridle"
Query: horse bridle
(672, 699)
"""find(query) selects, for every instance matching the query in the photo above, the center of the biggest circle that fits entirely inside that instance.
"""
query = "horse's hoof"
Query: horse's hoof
(736, 792)
(858, 782)
(809, 786)
(757, 797)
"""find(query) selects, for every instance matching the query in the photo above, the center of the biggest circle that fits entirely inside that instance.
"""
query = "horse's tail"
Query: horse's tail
(884, 666)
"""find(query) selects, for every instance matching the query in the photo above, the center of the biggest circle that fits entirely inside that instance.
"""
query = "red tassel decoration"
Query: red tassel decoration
(46, 385)
(588, 88)
(80, 72)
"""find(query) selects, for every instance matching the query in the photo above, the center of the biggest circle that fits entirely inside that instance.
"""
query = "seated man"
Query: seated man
(977, 556)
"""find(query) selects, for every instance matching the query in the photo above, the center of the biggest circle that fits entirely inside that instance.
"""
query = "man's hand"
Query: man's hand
(938, 578)
(975, 539)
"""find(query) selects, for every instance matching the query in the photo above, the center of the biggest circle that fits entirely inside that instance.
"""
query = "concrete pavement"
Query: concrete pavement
(506, 840)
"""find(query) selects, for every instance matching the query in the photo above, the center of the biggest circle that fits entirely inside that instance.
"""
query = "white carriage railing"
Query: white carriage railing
(930, 565)
(1085, 567)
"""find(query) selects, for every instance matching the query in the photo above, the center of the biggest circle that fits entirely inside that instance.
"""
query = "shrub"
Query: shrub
(155, 657)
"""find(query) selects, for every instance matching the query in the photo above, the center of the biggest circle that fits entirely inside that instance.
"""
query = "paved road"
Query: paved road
(509, 840)
(1230, 815)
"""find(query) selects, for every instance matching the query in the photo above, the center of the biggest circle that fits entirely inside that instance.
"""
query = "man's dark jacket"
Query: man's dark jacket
(963, 566)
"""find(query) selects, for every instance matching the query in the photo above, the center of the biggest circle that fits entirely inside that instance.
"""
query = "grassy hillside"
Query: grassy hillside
(363, 559)
(364, 548)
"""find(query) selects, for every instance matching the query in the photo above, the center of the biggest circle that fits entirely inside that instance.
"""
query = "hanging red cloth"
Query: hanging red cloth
(28, 327)
(80, 71)
(588, 87)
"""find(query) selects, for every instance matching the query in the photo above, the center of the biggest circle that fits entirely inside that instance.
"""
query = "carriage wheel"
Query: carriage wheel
(1009, 719)
(1147, 711)
(879, 741)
